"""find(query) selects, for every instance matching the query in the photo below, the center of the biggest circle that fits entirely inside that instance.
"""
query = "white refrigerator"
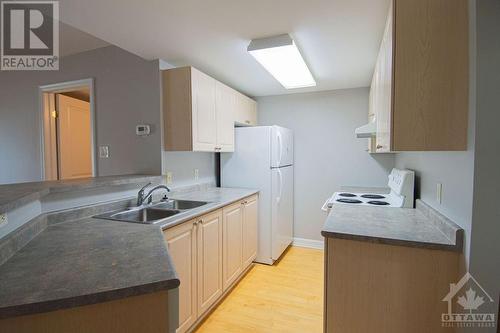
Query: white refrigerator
(263, 159)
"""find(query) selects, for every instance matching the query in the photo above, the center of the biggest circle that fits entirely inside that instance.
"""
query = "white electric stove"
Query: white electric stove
(401, 183)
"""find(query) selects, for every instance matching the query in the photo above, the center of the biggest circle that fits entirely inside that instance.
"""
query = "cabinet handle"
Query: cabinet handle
(380, 146)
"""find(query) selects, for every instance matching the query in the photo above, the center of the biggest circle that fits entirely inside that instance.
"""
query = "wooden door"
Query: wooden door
(181, 242)
(209, 260)
(250, 230)
(74, 138)
(204, 116)
(232, 243)
(226, 110)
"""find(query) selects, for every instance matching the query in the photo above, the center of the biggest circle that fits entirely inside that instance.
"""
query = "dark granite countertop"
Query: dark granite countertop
(420, 227)
(92, 260)
(15, 195)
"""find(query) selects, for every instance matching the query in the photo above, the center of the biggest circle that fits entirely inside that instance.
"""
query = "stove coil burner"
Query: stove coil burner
(347, 195)
(378, 203)
(351, 201)
(373, 196)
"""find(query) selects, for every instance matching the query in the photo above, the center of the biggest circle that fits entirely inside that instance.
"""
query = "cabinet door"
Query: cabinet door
(232, 245)
(204, 116)
(384, 89)
(209, 260)
(181, 242)
(250, 225)
(226, 114)
(246, 110)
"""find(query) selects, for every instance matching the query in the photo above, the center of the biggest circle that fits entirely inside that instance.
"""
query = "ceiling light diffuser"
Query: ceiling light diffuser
(282, 59)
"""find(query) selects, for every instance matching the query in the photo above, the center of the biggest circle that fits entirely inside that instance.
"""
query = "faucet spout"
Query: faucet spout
(149, 196)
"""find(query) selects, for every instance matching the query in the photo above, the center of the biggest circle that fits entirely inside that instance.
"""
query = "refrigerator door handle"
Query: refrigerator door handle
(278, 199)
(280, 146)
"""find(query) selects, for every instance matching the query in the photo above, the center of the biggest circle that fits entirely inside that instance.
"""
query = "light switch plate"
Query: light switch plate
(439, 192)
(196, 174)
(104, 151)
(3, 220)
(169, 177)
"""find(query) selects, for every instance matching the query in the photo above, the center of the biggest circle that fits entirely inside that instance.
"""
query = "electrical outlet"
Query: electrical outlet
(3, 220)
(196, 174)
(104, 151)
(439, 192)
(169, 177)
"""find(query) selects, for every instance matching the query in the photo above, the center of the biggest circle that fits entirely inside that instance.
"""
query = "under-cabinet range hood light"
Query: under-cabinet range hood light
(366, 131)
(282, 59)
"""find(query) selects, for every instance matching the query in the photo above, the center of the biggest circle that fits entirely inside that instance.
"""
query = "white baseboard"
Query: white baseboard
(309, 243)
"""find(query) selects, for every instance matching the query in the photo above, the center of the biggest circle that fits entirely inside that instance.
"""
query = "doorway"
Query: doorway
(68, 130)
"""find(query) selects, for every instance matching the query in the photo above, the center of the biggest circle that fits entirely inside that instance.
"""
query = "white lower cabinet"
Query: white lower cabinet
(233, 243)
(209, 254)
(181, 243)
(209, 260)
(250, 229)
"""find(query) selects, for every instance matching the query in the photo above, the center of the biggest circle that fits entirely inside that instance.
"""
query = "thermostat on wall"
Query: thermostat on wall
(142, 130)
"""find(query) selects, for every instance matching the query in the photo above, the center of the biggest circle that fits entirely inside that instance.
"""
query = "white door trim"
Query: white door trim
(60, 88)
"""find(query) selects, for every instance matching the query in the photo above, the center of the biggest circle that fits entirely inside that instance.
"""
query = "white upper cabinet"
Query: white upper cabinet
(200, 112)
(246, 114)
(226, 107)
(204, 111)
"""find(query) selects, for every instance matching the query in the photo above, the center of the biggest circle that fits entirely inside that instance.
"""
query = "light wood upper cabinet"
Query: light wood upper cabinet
(226, 105)
(419, 91)
(181, 242)
(247, 110)
(199, 112)
(209, 260)
(250, 228)
(232, 238)
(204, 112)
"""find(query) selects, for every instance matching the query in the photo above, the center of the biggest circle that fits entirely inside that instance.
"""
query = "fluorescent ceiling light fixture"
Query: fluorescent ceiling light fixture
(281, 58)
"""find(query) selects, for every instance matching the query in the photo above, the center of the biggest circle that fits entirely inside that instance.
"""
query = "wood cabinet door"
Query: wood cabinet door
(384, 89)
(232, 243)
(209, 260)
(246, 113)
(204, 118)
(250, 228)
(226, 114)
(181, 243)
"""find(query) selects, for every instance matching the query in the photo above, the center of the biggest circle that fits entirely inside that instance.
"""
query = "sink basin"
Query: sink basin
(149, 215)
(179, 204)
(152, 213)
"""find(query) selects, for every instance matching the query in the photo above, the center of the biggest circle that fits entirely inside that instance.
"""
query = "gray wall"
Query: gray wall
(126, 94)
(182, 165)
(327, 154)
(485, 245)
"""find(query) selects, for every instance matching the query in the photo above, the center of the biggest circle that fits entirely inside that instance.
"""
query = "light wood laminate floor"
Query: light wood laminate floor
(286, 297)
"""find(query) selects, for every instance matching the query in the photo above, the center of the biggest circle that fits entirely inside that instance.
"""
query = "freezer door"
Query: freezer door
(282, 147)
(282, 210)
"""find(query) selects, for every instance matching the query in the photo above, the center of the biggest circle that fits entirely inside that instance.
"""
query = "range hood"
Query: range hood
(366, 131)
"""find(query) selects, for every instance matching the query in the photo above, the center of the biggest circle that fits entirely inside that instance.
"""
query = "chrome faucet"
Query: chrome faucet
(141, 198)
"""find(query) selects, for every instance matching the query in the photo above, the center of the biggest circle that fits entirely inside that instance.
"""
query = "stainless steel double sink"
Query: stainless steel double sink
(153, 213)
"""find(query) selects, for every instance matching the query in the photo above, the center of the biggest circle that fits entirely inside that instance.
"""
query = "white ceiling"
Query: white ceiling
(338, 38)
